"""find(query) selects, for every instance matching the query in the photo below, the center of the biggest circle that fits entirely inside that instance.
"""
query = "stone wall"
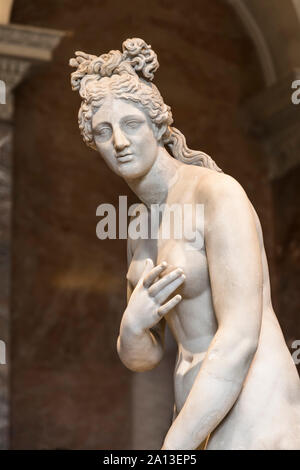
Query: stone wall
(287, 223)
(5, 266)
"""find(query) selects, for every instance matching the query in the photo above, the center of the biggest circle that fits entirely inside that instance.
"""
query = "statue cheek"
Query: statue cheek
(106, 150)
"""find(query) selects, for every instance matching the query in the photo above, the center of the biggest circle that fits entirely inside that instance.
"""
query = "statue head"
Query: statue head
(128, 76)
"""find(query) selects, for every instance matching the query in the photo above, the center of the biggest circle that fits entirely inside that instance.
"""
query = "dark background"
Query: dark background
(68, 386)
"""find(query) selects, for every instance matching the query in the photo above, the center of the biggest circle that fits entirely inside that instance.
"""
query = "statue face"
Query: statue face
(124, 136)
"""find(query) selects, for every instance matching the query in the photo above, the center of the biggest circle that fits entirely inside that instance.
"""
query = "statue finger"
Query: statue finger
(152, 275)
(169, 305)
(147, 268)
(159, 285)
(169, 289)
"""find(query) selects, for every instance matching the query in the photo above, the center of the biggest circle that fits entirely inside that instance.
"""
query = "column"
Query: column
(21, 48)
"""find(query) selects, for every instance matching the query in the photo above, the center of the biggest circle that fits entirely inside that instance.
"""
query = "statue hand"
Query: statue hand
(146, 306)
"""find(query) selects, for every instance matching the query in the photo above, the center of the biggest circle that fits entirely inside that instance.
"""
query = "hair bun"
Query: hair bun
(142, 58)
(137, 57)
(81, 62)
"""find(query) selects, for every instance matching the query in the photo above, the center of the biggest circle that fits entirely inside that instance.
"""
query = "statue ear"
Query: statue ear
(159, 130)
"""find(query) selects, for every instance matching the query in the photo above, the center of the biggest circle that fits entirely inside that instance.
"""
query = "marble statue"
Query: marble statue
(236, 385)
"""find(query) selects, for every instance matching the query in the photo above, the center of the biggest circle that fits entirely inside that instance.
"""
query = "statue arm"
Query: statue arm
(140, 343)
(235, 269)
(140, 350)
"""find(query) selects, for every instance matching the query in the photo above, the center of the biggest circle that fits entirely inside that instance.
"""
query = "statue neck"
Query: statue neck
(153, 187)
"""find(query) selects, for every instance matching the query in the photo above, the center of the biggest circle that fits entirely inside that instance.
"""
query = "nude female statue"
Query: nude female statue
(236, 386)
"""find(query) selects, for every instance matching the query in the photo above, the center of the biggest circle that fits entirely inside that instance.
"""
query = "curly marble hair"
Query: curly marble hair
(128, 75)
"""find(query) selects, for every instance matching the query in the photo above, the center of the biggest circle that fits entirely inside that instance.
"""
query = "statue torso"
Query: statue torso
(193, 322)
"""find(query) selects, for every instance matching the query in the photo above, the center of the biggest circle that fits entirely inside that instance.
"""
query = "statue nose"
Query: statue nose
(120, 140)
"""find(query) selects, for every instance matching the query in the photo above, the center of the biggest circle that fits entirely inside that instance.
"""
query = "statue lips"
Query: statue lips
(124, 158)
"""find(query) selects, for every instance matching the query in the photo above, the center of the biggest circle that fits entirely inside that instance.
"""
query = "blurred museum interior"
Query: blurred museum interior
(226, 70)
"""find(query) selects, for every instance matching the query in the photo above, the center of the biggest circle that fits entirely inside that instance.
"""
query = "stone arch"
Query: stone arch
(274, 28)
(272, 115)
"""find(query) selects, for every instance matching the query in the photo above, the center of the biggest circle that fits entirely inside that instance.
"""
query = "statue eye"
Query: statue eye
(133, 124)
(103, 132)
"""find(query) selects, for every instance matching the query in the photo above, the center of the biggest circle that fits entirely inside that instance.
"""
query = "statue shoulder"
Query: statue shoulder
(220, 188)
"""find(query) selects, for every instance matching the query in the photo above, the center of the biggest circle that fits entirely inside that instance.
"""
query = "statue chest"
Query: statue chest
(177, 253)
